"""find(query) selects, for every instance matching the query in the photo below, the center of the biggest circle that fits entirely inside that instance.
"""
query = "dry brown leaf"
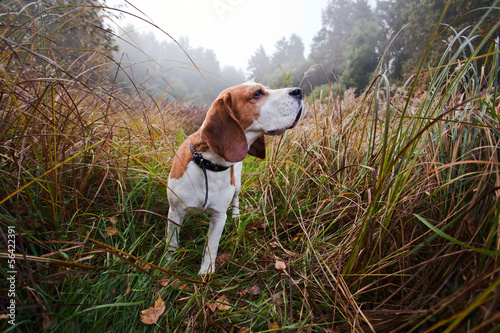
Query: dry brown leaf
(277, 298)
(181, 287)
(211, 306)
(223, 259)
(255, 290)
(331, 330)
(111, 230)
(280, 265)
(113, 219)
(273, 326)
(159, 302)
(221, 303)
(128, 290)
(151, 315)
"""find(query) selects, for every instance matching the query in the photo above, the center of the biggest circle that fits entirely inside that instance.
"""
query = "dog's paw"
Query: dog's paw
(206, 271)
(235, 213)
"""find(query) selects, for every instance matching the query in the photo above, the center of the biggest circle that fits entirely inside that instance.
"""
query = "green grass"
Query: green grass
(384, 207)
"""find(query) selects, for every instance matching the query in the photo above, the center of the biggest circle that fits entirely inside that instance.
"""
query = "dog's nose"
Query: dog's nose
(296, 92)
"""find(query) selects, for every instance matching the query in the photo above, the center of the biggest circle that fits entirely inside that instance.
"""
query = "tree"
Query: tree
(281, 54)
(362, 49)
(288, 64)
(295, 49)
(259, 64)
(287, 51)
(287, 61)
(78, 39)
(329, 46)
(392, 17)
(414, 22)
(159, 67)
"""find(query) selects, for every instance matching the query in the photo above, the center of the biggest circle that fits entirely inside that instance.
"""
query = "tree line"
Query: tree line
(357, 39)
(175, 67)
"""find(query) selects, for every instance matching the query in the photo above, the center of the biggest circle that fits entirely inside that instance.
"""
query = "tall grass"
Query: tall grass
(384, 207)
(396, 199)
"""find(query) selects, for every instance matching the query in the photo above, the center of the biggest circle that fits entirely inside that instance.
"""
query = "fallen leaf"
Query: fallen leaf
(221, 303)
(255, 290)
(273, 326)
(113, 219)
(159, 302)
(181, 287)
(223, 259)
(280, 265)
(277, 298)
(151, 315)
(211, 306)
(111, 230)
(331, 330)
(128, 290)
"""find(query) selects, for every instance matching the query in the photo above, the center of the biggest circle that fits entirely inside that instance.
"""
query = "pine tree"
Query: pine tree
(259, 64)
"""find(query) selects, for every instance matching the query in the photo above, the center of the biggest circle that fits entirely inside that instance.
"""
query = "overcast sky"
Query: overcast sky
(233, 29)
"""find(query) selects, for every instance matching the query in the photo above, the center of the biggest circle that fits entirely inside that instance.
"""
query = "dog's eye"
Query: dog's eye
(258, 94)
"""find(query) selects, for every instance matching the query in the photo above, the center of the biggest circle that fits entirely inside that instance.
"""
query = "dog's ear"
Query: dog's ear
(258, 148)
(223, 132)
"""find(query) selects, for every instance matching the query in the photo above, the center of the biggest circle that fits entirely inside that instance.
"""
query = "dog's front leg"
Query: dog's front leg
(215, 229)
(175, 218)
(235, 203)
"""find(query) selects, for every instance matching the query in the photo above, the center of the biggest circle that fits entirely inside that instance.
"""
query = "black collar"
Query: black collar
(205, 165)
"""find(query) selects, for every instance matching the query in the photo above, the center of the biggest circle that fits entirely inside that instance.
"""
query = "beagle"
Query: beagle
(206, 170)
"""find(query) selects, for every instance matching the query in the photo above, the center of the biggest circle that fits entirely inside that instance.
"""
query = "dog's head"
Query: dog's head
(240, 117)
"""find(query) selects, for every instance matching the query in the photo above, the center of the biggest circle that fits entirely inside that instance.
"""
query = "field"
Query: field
(378, 213)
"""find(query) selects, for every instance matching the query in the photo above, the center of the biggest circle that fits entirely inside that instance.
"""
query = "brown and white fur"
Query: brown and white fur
(234, 126)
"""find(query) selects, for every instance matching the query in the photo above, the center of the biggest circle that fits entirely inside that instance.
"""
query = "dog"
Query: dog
(206, 170)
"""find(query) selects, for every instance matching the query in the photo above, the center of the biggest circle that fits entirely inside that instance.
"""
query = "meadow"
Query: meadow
(378, 213)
